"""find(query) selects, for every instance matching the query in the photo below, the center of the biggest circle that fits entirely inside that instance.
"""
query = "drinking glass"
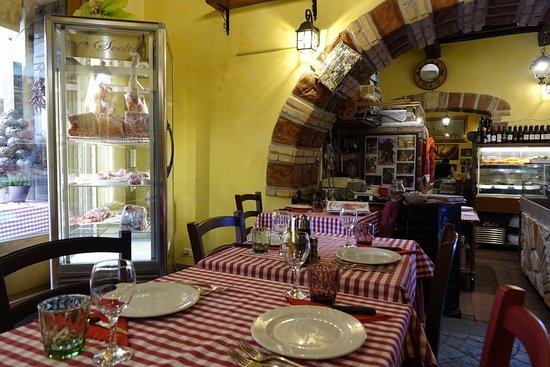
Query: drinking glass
(280, 221)
(111, 287)
(296, 248)
(348, 218)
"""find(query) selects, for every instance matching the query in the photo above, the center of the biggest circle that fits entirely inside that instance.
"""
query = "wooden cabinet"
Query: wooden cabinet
(424, 224)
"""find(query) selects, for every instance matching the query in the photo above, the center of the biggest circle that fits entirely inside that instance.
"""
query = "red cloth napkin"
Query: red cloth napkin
(406, 252)
(100, 333)
(361, 317)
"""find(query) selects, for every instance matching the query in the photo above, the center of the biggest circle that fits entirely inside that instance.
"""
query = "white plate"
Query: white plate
(308, 332)
(368, 255)
(160, 298)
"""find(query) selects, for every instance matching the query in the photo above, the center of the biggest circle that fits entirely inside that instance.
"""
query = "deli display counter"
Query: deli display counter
(505, 173)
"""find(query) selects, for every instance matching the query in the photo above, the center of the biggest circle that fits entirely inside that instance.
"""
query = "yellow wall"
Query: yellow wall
(229, 90)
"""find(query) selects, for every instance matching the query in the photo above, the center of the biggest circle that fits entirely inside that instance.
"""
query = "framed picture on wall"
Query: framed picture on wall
(449, 151)
(466, 152)
(452, 133)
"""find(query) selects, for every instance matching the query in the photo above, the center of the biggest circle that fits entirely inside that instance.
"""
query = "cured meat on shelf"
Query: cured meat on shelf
(95, 215)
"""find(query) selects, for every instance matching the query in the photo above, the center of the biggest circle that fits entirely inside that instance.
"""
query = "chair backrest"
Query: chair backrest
(438, 288)
(198, 230)
(510, 319)
(389, 216)
(257, 198)
(50, 250)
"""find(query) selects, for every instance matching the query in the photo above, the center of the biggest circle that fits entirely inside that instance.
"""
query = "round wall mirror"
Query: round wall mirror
(430, 74)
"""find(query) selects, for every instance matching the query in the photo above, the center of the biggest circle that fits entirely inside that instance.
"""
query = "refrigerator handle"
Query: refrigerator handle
(171, 132)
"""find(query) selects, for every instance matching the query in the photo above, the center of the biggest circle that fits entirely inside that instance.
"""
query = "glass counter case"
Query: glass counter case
(513, 170)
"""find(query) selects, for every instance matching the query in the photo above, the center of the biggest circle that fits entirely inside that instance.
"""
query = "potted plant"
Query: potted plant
(17, 185)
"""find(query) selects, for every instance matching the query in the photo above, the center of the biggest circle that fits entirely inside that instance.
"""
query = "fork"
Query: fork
(243, 361)
(205, 289)
(258, 356)
(364, 267)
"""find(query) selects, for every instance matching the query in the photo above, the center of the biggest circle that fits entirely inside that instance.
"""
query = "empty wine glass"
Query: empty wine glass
(111, 287)
(348, 218)
(280, 222)
(296, 248)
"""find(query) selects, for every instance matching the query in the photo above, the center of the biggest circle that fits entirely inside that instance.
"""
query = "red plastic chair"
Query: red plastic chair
(389, 216)
(510, 319)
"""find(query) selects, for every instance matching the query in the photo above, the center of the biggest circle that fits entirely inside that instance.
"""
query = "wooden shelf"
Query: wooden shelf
(232, 4)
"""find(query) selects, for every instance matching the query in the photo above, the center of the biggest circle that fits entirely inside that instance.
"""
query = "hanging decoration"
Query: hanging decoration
(104, 9)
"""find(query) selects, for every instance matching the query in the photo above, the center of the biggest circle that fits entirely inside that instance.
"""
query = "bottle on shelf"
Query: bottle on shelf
(530, 136)
(520, 135)
(510, 135)
(515, 138)
(493, 136)
(537, 134)
(479, 135)
(499, 136)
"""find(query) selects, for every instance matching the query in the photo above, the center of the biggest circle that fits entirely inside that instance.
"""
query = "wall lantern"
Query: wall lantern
(446, 120)
(541, 66)
(307, 36)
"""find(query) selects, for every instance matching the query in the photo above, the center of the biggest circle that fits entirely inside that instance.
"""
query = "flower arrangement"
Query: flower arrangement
(104, 9)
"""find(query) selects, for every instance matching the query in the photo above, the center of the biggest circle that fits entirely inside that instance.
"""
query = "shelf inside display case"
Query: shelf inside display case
(511, 170)
(108, 141)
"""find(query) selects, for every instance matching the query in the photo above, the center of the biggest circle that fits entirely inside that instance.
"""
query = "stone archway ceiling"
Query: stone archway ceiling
(379, 36)
(482, 104)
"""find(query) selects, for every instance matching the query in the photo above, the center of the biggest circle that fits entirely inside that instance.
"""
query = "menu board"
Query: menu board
(390, 157)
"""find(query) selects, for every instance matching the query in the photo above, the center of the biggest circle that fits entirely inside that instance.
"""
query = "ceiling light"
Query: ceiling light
(307, 36)
(446, 120)
(541, 66)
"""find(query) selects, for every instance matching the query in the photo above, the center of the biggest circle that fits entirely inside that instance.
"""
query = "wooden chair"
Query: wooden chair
(17, 260)
(510, 319)
(198, 230)
(389, 216)
(438, 288)
(257, 198)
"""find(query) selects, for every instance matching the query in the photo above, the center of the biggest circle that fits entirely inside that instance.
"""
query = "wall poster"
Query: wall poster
(390, 157)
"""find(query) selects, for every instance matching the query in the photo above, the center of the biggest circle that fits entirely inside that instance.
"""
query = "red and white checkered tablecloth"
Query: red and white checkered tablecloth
(24, 219)
(323, 222)
(201, 335)
(400, 285)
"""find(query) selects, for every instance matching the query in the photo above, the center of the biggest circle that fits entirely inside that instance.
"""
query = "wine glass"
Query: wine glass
(348, 218)
(280, 221)
(111, 287)
(296, 248)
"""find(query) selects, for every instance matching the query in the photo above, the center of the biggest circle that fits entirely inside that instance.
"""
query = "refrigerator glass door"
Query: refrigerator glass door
(108, 152)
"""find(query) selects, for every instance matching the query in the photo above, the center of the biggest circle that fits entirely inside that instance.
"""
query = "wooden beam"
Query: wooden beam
(219, 5)
(433, 51)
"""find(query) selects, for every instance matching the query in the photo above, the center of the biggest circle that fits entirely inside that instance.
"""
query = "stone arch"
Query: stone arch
(379, 36)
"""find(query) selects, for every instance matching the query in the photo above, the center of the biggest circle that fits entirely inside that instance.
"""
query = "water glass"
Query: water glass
(296, 246)
(261, 239)
(364, 233)
(63, 324)
(324, 282)
(280, 220)
(348, 218)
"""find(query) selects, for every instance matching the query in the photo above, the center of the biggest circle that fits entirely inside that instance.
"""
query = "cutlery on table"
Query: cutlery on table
(243, 361)
(258, 356)
(364, 267)
(204, 289)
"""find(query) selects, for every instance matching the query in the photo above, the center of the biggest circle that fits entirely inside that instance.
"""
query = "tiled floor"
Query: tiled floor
(462, 339)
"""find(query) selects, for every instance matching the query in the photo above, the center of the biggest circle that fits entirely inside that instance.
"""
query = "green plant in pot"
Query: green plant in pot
(17, 185)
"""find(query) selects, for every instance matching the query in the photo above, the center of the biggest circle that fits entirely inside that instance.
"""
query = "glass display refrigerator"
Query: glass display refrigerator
(110, 141)
(504, 173)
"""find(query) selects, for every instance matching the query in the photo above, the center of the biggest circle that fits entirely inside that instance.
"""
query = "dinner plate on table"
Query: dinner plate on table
(368, 255)
(160, 298)
(308, 332)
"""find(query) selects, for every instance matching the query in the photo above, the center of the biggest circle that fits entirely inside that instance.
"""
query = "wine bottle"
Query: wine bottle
(537, 134)
(499, 136)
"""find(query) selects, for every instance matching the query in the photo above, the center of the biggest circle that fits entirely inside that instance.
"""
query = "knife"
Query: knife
(363, 310)
(390, 248)
(97, 321)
